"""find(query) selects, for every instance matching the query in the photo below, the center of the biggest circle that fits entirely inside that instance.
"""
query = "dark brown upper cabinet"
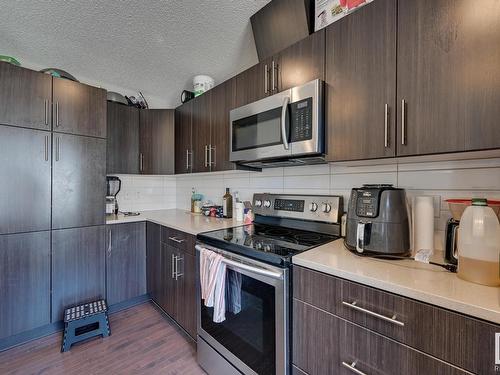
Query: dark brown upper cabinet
(183, 146)
(280, 24)
(222, 101)
(302, 62)
(122, 154)
(253, 84)
(448, 76)
(201, 132)
(25, 97)
(157, 147)
(360, 89)
(78, 109)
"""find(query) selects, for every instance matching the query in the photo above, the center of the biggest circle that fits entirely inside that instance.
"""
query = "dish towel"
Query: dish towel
(213, 283)
(233, 292)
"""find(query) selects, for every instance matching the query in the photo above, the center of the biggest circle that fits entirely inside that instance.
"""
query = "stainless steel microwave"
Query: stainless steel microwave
(283, 129)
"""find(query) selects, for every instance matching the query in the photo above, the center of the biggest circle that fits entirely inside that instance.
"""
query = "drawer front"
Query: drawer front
(180, 240)
(458, 339)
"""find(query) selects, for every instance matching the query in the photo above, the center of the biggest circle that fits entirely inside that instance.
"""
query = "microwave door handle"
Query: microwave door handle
(284, 108)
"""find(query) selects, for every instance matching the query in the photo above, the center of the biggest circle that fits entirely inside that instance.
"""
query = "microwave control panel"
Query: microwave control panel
(301, 120)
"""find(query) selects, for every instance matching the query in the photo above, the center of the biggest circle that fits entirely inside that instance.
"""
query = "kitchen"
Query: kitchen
(327, 204)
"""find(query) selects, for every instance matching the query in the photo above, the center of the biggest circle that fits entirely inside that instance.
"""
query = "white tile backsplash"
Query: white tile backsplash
(440, 179)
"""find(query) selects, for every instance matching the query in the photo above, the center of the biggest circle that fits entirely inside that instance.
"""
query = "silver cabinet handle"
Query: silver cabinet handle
(188, 153)
(46, 148)
(403, 122)
(386, 126)
(206, 156)
(173, 266)
(266, 79)
(273, 88)
(177, 273)
(392, 319)
(141, 161)
(110, 243)
(353, 368)
(57, 114)
(284, 108)
(57, 148)
(46, 111)
(175, 239)
(214, 160)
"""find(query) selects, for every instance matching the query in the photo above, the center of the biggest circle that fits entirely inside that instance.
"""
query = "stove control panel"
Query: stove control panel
(324, 208)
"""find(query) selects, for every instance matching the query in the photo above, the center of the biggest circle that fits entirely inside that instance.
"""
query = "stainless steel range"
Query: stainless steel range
(255, 340)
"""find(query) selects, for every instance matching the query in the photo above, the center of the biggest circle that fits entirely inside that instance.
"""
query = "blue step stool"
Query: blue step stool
(85, 321)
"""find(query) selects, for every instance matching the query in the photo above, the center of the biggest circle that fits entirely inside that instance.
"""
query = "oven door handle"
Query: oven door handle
(246, 267)
(284, 108)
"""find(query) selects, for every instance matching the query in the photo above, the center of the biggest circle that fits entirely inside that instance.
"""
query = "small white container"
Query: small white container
(202, 84)
(479, 245)
(239, 211)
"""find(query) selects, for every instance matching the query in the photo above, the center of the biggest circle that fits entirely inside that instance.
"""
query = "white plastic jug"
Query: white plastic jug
(479, 245)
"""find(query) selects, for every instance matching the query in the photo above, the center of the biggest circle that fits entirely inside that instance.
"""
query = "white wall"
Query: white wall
(452, 179)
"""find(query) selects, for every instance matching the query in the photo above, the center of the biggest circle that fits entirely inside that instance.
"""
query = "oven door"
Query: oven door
(260, 130)
(253, 337)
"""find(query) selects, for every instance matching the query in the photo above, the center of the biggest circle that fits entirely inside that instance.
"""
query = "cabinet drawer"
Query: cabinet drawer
(464, 341)
(179, 240)
(325, 344)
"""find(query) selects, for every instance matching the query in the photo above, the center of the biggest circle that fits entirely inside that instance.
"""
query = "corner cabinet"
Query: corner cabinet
(448, 77)
(331, 337)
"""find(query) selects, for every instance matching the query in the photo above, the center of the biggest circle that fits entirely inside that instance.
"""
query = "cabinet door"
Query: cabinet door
(183, 149)
(253, 84)
(25, 282)
(222, 99)
(25, 97)
(78, 267)
(360, 84)
(79, 181)
(302, 62)
(25, 180)
(167, 286)
(153, 260)
(185, 292)
(125, 262)
(157, 148)
(122, 154)
(78, 108)
(201, 131)
(448, 54)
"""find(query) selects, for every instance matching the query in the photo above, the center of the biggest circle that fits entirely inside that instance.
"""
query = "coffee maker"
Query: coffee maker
(114, 185)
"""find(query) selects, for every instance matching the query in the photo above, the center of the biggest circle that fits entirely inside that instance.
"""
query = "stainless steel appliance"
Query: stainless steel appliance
(114, 185)
(378, 221)
(256, 339)
(283, 129)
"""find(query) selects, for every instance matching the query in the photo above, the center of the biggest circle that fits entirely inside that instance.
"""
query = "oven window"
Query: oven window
(250, 333)
(261, 130)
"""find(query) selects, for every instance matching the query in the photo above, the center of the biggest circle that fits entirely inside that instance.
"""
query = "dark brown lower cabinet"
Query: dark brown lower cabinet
(153, 260)
(325, 344)
(78, 267)
(125, 261)
(186, 292)
(24, 282)
(167, 287)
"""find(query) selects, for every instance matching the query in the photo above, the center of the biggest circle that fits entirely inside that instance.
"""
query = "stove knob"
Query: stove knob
(258, 245)
(267, 248)
(313, 207)
(267, 204)
(326, 208)
(258, 203)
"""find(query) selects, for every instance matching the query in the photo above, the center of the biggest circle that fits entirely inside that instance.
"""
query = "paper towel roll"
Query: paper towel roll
(423, 223)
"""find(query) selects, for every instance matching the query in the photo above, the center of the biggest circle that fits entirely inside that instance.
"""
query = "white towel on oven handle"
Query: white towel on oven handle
(213, 283)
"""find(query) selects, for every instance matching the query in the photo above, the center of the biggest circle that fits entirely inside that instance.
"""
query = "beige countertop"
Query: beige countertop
(181, 220)
(422, 282)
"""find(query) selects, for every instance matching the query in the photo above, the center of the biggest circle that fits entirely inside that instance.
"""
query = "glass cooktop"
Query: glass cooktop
(275, 244)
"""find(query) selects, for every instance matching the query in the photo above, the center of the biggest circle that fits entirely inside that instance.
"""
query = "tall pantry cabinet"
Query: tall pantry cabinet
(53, 157)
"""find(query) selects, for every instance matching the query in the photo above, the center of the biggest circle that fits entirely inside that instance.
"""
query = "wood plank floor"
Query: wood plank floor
(142, 341)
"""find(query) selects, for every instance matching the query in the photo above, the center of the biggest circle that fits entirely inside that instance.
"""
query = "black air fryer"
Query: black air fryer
(377, 221)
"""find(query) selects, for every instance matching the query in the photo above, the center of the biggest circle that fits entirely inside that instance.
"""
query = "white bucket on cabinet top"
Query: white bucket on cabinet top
(202, 83)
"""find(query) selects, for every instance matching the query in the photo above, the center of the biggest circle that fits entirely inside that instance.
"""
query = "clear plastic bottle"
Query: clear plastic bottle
(479, 245)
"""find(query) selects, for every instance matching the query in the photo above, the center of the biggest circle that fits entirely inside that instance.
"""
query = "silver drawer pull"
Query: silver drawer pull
(392, 319)
(353, 368)
(175, 239)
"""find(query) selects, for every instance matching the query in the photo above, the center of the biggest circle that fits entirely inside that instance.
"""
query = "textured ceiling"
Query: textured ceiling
(153, 46)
